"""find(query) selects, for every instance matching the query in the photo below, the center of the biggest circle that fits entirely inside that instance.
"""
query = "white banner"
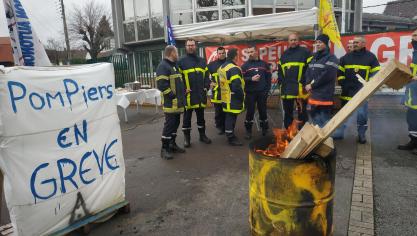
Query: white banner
(60, 145)
(27, 48)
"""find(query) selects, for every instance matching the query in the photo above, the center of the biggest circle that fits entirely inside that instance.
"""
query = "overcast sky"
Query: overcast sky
(46, 20)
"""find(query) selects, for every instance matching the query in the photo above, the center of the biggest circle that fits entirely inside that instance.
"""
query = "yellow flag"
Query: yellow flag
(327, 22)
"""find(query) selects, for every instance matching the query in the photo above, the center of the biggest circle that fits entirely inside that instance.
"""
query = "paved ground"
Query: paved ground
(395, 171)
(205, 191)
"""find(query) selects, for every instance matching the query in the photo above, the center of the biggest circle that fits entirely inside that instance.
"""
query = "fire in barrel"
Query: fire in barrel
(289, 196)
(291, 177)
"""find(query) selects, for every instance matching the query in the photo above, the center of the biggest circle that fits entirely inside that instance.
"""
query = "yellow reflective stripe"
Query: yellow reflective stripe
(293, 64)
(232, 110)
(289, 96)
(174, 76)
(194, 70)
(342, 69)
(172, 110)
(414, 69)
(289, 64)
(300, 92)
(166, 91)
(375, 69)
(408, 103)
(341, 77)
(162, 77)
(345, 98)
(309, 59)
(360, 67)
(235, 77)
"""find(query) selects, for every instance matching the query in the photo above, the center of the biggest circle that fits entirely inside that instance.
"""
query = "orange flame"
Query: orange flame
(282, 139)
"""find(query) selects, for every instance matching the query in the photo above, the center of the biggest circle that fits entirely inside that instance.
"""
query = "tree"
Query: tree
(90, 24)
(55, 50)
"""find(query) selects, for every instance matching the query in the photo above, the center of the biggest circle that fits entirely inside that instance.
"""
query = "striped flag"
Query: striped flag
(170, 33)
(27, 48)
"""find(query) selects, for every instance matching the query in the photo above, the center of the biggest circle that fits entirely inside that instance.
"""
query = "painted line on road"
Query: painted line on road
(361, 219)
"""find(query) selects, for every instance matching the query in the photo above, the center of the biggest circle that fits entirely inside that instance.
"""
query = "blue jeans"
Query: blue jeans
(361, 120)
(320, 115)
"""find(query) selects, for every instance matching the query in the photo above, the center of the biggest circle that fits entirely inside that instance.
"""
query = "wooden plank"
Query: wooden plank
(393, 70)
(396, 73)
(325, 148)
(306, 135)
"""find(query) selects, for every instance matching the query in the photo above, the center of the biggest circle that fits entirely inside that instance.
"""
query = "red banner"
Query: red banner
(383, 45)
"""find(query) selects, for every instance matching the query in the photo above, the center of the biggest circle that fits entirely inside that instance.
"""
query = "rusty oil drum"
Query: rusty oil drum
(290, 196)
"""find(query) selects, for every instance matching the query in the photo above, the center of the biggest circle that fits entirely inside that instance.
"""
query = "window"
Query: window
(305, 4)
(142, 9)
(128, 10)
(233, 2)
(207, 16)
(143, 29)
(262, 11)
(129, 31)
(206, 3)
(176, 5)
(263, 2)
(233, 13)
(285, 2)
(157, 20)
(182, 18)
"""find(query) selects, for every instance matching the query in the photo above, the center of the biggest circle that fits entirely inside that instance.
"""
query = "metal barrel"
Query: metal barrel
(290, 196)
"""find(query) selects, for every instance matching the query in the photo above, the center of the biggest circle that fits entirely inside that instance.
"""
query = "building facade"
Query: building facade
(139, 25)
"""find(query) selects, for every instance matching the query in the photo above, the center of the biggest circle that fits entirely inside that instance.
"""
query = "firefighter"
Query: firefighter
(196, 80)
(358, 63)
(411, 102)
(257, 76)
(169, 82)
(350, 46)
(232, 87)
(320, 81)
(291, 71)
(219, 115)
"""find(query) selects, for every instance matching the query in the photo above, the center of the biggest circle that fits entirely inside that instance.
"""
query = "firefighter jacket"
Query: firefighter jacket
(169, 82)
(321, 74)
(254, 67)
(213, 67)
(232, 86)
(363, 63)
(196, 80)
(291, 72)
(411, 88)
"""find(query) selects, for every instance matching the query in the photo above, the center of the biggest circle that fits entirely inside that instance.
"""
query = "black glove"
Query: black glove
(171, 95)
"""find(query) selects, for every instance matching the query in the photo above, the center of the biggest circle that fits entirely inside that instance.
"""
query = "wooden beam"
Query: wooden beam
(395, 74)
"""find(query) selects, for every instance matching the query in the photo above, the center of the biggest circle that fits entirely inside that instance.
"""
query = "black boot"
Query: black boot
(265, 126)
(174, 147)
(233, 141)
(165, 151)
(203, 137)
(248, 126)
(412, 144)
(187, 138)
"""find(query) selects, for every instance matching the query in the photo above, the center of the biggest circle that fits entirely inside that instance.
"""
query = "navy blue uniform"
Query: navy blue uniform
(365, 64)
(256, 92)
(291, 71)
(219, 115)
(169, 82)
(321, 74)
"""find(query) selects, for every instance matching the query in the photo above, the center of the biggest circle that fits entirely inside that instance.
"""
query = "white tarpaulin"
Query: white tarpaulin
(268, 27)
(60, 145)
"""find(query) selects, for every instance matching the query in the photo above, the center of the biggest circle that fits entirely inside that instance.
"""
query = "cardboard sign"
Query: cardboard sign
(60, 145)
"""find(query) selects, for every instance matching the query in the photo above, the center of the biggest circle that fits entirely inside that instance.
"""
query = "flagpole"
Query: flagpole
(64, 21)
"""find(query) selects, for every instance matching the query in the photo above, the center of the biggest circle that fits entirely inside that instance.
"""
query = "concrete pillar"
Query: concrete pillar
(117, 12)
(357, 25)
